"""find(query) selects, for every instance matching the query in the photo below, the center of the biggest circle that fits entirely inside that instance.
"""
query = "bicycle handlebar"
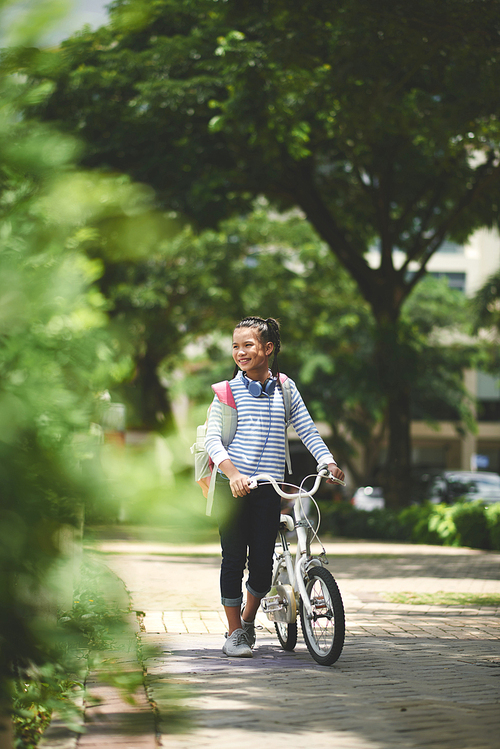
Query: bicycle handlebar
(323, 473)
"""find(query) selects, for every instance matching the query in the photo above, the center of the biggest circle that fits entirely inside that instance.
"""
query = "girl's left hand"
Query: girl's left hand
(335, 471)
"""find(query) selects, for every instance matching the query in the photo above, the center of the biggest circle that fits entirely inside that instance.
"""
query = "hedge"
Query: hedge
(462, 524)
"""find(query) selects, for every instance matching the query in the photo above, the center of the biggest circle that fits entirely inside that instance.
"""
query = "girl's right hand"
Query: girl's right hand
(239, 485)
(238, 482)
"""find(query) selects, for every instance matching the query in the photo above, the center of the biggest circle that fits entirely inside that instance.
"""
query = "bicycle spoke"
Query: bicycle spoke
(324, 630)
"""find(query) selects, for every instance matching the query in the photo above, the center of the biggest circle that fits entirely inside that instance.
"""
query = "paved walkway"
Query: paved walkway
(409, 676)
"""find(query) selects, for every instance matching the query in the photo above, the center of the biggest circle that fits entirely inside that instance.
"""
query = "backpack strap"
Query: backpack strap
(224, 393)
(229, 423)
(211, 492)
(229, 411)
(287, 400)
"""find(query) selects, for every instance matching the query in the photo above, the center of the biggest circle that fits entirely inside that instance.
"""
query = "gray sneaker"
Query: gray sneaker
(236, 645)
(249, 630)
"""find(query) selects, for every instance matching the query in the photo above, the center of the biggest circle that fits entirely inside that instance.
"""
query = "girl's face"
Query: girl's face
(250, 353)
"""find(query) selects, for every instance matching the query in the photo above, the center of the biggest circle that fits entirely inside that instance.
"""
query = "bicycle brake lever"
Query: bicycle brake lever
(336, 480)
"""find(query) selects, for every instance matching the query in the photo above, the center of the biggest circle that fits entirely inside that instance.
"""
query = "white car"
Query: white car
(469, 485)
(368, 498)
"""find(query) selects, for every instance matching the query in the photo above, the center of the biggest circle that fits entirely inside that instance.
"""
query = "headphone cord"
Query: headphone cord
(267, 438)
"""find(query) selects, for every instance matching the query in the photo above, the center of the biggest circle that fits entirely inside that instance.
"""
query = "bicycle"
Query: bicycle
(306, 587)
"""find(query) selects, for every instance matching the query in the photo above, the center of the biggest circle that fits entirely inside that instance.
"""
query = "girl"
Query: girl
(249, 520)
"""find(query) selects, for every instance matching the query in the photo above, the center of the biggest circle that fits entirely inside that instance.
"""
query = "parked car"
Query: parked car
(450, 486)
(368, 498)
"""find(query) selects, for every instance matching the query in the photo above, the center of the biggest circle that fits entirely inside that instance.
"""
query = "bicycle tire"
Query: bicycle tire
(287, 635)
(324, 634)
(287, 632)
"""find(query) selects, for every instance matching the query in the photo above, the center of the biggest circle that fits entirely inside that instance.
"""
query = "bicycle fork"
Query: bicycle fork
(302, 564)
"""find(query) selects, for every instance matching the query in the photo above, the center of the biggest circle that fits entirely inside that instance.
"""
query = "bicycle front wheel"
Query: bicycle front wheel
(324, 633)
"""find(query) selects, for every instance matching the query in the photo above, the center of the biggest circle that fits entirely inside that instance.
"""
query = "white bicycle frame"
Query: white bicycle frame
(303, 558)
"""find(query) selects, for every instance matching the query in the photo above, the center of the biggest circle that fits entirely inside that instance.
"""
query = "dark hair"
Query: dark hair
(268, 331)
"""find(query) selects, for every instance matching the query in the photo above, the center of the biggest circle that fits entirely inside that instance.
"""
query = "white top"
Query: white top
(259, 443)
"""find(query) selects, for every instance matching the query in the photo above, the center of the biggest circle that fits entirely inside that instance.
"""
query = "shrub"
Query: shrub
(415, 521)
(442, 525)
(492, 514)
(461, 524)
(385, 524)
(336, 517)
(471, 524)
(342, 519)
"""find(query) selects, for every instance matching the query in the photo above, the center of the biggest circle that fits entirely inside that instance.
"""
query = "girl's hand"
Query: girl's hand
(239, 485)
(335, 471)
(238, 482)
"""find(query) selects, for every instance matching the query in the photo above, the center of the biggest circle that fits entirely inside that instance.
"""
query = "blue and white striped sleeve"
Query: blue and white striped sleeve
(213, 442)
(305, 427)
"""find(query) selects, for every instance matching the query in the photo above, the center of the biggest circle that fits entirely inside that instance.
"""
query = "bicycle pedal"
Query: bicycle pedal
(271, 603)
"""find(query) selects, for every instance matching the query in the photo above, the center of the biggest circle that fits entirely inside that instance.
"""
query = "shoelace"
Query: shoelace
(241, 638)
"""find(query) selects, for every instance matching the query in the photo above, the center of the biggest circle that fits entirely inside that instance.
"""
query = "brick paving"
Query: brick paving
(409, 676)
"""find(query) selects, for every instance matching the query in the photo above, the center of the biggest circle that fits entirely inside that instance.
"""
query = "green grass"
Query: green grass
(445, 599)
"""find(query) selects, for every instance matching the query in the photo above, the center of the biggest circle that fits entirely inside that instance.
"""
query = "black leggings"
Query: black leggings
(250, 524)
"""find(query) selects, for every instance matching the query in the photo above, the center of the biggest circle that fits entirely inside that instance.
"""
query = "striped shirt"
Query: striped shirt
(259, 443)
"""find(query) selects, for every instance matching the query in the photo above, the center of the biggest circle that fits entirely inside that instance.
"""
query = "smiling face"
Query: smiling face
(251, 354)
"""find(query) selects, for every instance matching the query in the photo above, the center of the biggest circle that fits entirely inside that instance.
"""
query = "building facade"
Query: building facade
(446, 447)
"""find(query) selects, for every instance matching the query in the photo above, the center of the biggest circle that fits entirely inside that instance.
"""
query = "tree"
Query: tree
(279, 267)
(486, 303)
(380, 123)
(156, 304)
(485, 308)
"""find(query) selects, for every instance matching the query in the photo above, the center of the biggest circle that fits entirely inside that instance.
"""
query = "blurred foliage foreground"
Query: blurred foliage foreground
(92, 634)
(56, 353)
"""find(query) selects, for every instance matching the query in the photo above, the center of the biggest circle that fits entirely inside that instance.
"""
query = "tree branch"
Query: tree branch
(415, 251)
(383, 211)
(398, 225)
(309, 199)
(467, 199)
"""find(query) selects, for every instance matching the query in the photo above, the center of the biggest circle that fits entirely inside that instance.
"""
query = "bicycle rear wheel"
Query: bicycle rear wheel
(286, 631)
(324, 633)
(287, 634)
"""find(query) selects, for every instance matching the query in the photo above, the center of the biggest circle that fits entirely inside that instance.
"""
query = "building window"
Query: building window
(488, 387)
(455, 280)
(488, 410)
(488, 397)
(451, 248)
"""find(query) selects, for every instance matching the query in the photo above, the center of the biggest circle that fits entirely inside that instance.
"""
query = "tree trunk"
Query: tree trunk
(395, 362)
(372, 449)
(6, 730)
(397, 475)
(147, 395)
